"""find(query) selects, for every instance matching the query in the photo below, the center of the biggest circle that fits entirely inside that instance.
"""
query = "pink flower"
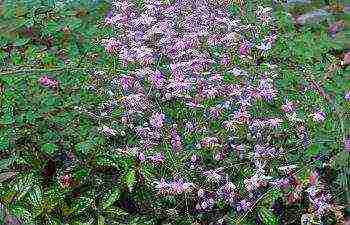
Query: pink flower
(157, 120)
(142, 157)
(158, 158)
(274, 122)
(126, 81)
(111, 45)
(66, 180)
(225, 60)
(48, 82)
(243, 206)
(194, 158)
(244, 48)
(162, 185)
(318, 116)
(175, 140)
(179, 186)
(287, 107)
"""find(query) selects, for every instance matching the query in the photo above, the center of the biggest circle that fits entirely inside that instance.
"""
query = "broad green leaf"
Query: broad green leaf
(21, 41)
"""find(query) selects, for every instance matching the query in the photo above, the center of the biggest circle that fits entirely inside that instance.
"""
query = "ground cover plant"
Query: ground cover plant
(174, 112)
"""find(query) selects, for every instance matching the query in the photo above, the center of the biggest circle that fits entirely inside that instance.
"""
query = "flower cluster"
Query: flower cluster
(198, 102)
(48, 82)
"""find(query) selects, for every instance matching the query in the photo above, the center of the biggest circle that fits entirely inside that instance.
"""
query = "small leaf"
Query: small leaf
(130, 179)
(110, 197)
(23, 185)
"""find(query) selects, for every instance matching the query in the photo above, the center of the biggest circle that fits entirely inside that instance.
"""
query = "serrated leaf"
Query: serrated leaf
(110, 197)
(21, 213)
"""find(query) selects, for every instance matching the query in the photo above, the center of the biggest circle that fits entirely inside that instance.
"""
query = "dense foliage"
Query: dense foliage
(174, 112)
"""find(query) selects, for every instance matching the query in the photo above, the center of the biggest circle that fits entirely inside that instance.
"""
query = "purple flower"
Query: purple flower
(194, 158)
(157, 79)
(158, 158)
(347, 96)
(141, 157)
(157, 120)
(179, 186)
(244, 48)
(126, 81)
(318, 116)
(347, 144)
(111, 45)
(243, 206)
(175, 140)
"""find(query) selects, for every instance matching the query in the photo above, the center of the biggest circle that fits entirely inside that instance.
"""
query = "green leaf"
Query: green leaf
(82, 204)
(49, 148)
(35, 195)
(21, 213)
(267, 217)
(4, 144)
(8, 118)
(101, 220)
(110, 197)
(312, 150)
(130, 179)
(23, 185)
(74, 23)
(115, 212)
(84, 147)
(21, 41)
